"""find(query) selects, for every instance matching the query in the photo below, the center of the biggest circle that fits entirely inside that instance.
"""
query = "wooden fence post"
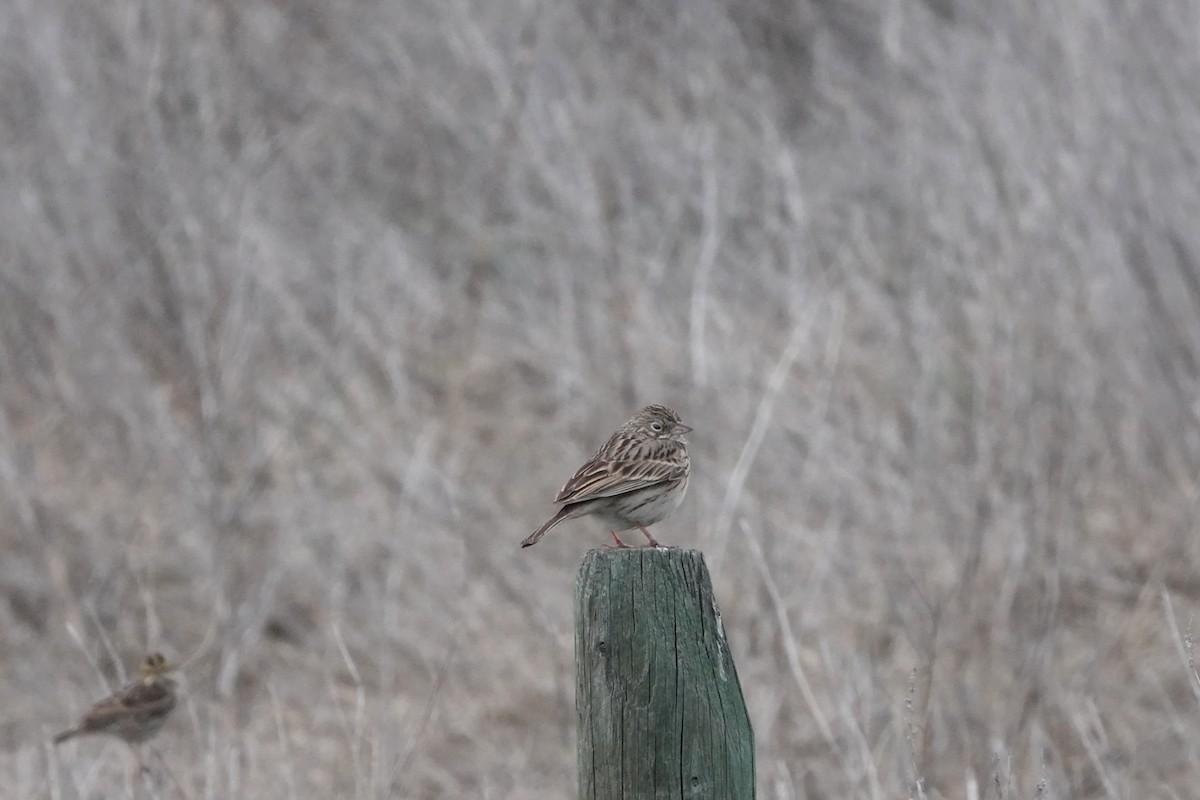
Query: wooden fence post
(661, 714)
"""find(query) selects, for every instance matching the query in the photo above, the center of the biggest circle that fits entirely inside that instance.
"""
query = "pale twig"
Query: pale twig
(77, 637)
(710, 242)
(154, 626)
(868, 758)
(791, 648)
(209, 634)
(1184, 644)
(1089, 730)
(354, 730)
(754, 440)
(287, 769)
(427, 712)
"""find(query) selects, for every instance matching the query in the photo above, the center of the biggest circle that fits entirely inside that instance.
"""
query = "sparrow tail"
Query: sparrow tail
(62, 737)
(534, 537)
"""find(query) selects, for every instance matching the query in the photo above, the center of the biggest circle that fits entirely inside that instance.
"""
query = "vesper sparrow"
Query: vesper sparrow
(136, 711)
(638, 478)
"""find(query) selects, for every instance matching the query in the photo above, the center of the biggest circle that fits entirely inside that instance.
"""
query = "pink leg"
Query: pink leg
(653, 542)
(619, 544)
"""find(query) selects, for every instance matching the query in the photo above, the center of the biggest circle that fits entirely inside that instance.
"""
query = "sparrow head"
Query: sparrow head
(659, 422)
(154, 665)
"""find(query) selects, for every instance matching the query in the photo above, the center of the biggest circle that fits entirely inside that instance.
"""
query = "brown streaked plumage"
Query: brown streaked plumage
(637, 478)
(136, 711)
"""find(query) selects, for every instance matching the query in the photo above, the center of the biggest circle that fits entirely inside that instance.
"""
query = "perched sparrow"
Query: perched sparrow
(638, 478)
(134, 712)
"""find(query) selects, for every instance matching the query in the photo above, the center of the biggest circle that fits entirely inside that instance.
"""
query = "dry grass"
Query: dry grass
(308, 308)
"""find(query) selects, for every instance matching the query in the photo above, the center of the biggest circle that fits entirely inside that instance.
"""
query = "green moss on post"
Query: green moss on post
(661, 714)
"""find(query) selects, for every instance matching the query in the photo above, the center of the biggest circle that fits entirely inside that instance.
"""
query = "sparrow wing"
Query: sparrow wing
(605, 478)
(149, 698)
(138, 698)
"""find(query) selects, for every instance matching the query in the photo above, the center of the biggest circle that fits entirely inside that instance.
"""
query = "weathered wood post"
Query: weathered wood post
(661, 715)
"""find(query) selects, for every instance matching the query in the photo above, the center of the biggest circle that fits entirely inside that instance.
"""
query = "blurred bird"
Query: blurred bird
(136, 711)
(638, 478)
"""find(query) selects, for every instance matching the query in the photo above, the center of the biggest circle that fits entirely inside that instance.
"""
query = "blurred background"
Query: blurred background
(308, 309)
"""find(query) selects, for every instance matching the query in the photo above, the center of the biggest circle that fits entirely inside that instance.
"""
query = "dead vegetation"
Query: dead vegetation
(306, 307)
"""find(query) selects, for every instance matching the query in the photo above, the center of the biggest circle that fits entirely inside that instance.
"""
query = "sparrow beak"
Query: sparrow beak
(680, 429)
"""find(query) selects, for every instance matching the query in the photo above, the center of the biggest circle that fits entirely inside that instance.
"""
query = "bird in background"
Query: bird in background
(637, 478)
(136, 711)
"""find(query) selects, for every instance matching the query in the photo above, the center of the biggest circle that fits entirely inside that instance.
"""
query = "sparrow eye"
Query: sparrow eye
(656, 427)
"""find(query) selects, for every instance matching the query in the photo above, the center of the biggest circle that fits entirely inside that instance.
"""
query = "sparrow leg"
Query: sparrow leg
(619, 544)
(653, 542)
